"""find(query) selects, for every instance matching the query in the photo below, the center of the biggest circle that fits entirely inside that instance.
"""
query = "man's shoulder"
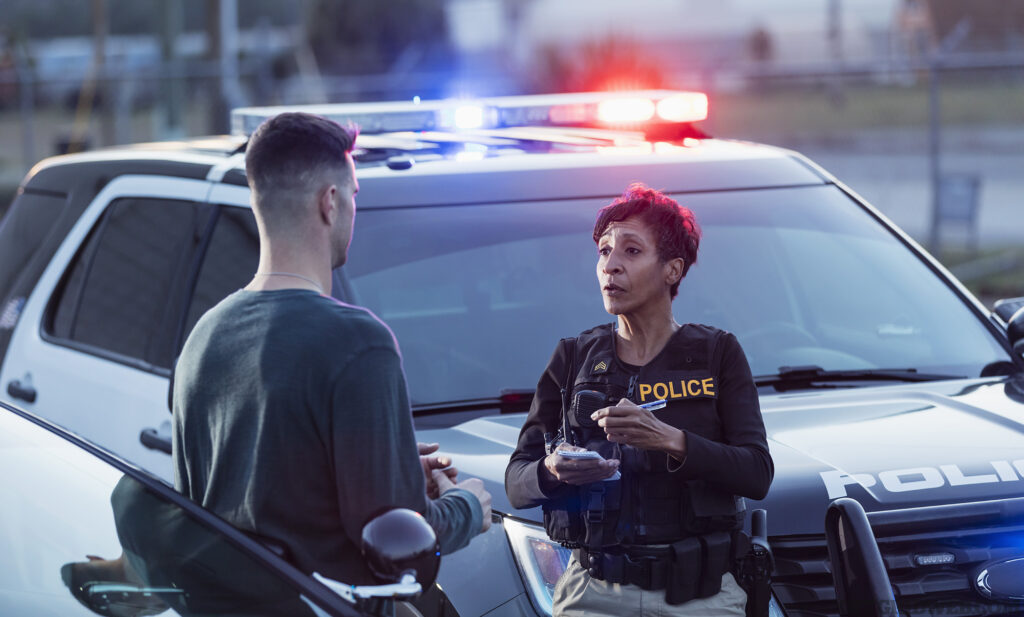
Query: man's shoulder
(349, 320)
(313, 319)
(223, 313)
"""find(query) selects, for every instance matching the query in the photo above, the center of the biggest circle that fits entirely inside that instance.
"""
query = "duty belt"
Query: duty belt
(645, 568)
(690, 568)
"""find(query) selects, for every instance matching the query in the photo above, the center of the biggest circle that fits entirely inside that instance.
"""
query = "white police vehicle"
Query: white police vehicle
(881, 377)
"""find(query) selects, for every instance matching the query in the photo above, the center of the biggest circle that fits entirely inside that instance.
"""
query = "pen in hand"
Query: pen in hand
(654, 405)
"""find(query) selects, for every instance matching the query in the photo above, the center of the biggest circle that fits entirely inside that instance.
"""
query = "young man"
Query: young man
(291, 416)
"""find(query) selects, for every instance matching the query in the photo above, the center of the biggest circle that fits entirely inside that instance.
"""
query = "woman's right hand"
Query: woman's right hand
(578, 471)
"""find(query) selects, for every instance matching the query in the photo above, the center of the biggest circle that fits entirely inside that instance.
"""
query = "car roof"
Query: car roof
(499, 165)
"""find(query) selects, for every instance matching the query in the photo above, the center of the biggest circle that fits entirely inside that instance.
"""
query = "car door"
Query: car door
(83, 534)
(95, 343)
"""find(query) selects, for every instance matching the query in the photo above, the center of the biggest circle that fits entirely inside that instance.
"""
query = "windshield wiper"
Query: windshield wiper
(812, 376)
(509, 400)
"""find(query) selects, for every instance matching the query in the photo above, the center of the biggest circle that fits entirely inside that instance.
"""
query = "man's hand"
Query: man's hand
(473, 485)
(435, 463)
(628, 424)
(578, 471)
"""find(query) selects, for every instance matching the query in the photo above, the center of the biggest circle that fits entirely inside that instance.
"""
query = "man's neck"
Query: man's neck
(284, 267)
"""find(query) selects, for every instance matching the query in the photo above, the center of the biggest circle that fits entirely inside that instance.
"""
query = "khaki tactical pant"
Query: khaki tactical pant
(577, 594)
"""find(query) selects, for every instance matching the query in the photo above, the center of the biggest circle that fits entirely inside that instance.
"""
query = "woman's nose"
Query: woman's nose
(611, 265)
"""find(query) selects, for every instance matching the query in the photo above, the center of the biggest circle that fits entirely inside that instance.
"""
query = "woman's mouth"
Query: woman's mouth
(613, 290)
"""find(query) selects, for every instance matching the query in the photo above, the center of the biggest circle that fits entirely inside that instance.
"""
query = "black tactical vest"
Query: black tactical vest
(649, 505)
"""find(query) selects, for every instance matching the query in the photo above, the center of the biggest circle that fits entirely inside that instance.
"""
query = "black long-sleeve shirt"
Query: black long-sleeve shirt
(726, 442)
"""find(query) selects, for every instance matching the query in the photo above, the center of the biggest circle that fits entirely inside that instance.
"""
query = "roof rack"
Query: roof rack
(641, 109)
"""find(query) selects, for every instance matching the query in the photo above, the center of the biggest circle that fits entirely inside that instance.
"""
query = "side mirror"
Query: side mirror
(1015, 331)
(400, 543)
(862, 585)
(402, 551)
(1006, 307)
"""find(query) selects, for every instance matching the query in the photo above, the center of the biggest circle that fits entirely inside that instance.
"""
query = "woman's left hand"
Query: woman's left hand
(628, 424)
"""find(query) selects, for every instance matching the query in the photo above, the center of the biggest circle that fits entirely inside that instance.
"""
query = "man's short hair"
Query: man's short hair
(289, 153)
(675, 228)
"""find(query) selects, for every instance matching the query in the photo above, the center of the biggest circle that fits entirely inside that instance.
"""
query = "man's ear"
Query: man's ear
(325, 204)
(674, 270)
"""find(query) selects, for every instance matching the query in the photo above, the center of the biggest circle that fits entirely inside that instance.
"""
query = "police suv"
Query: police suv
(881, 378)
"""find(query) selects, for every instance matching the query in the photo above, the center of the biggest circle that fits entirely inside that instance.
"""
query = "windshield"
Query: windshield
(480, 296)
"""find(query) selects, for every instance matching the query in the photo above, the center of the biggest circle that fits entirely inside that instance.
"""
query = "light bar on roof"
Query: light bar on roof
(634, 110)
(588, 109)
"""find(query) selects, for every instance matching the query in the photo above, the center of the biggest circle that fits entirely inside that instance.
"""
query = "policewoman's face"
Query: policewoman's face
(629, 271)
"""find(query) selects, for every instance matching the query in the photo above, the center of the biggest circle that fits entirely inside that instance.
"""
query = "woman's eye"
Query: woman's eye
(633, 251)
(604, 251)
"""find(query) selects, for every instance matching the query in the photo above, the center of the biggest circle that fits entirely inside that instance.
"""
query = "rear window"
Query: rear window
(22, 235)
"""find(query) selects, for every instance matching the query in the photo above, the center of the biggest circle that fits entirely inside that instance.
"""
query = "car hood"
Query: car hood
(889, 447)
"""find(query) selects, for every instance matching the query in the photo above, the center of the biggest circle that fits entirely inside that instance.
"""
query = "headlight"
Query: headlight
(541, 561)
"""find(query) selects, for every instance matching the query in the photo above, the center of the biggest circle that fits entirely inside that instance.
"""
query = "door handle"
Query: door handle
(24, 392)
(154, 441)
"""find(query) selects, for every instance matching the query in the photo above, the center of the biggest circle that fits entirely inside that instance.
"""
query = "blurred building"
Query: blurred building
(990, 26)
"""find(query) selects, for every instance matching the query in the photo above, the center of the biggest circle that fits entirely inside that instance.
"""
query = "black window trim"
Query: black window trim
(309, 587)
(198, 259)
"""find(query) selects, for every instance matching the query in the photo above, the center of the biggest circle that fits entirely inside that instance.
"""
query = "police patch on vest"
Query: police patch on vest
(677, 387)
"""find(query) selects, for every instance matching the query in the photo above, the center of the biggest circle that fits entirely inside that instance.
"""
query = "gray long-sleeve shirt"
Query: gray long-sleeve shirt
(292, 421)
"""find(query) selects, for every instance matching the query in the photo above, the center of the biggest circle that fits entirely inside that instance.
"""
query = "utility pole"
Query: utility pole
(27, 105)
(100, 30)
(230, 89)
(835, 47)
(171, 92)
(222, 33)
(947, 45)
(934, 149)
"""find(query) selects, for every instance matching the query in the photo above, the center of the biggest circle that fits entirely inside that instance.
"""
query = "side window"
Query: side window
(122, 294)
(230, 262)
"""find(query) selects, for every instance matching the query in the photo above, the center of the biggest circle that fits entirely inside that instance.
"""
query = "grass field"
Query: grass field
(812, 111)
(991, 274)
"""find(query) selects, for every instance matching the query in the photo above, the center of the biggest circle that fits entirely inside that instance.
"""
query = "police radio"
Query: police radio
(585, 403)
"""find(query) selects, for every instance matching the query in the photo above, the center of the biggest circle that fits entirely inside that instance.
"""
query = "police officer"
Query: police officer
(654, 523)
